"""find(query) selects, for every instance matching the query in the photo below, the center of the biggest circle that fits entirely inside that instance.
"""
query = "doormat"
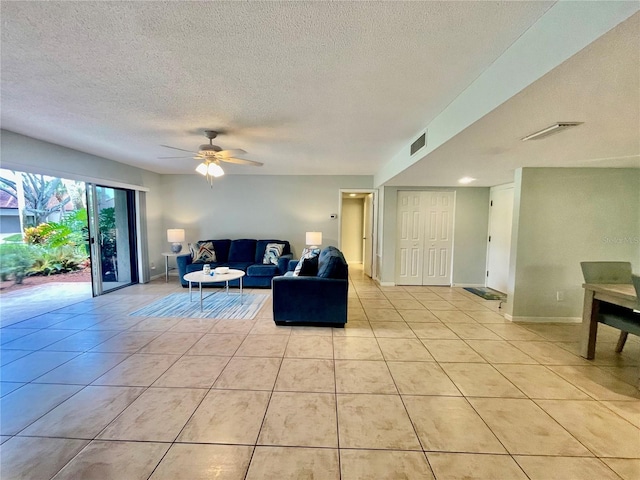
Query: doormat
(219, 305)
(487, 293)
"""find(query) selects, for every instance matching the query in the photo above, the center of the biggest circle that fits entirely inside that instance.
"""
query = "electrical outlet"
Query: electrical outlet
(153, 266)
(560, 296)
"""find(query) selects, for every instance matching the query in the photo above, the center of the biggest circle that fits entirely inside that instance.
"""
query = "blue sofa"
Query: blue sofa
(243, 254)
(319, 300)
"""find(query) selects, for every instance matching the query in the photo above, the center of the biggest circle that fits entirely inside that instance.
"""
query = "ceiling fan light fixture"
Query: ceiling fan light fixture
(202, 169)
(215, 170)
(209, 150)
(211, 155)
(551, 130)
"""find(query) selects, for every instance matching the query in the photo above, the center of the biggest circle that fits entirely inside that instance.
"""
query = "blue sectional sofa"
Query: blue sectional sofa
(319, 300)
(243, 254)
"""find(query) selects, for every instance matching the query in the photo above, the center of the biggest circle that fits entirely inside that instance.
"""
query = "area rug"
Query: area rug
(218, 305)
(487, 293)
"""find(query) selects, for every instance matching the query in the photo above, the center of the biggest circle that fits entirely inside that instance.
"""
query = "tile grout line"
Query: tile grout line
(264, 416)
(384, 358)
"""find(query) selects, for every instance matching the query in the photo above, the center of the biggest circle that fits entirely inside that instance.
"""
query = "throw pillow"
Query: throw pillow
(309, 267)
(202, 252)
(272, 252)
(306, 253)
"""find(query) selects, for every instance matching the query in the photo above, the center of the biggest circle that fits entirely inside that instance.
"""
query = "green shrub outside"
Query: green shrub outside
(49, 248)
(49, 261)
(71, 230)
(15, 261)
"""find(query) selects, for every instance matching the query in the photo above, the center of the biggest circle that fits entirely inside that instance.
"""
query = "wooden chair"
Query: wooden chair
(636, 283)
(613, 315)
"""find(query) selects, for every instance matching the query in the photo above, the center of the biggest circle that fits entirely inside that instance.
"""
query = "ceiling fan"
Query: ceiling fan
(211, 155)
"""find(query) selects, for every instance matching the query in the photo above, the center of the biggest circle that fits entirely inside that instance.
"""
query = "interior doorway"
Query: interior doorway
(357, 228)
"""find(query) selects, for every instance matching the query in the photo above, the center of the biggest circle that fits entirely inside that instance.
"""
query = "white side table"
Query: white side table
(166, 256)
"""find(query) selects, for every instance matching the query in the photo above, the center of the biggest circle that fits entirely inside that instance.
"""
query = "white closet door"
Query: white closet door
(438, 243)
(409, 260)
(425, 238)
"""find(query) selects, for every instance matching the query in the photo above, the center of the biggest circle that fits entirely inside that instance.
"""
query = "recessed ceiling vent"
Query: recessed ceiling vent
(419, 143)
(551, 130)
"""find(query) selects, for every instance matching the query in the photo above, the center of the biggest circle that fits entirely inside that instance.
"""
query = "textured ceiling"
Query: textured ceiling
(305, 87)
(309, 87)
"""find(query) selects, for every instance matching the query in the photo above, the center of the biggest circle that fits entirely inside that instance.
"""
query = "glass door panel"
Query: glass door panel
(113, 236)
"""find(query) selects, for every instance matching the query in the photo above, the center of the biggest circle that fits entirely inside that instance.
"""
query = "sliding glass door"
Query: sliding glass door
(112, 237)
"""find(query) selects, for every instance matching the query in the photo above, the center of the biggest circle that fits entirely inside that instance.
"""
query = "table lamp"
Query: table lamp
(314, 239)
(175, 236)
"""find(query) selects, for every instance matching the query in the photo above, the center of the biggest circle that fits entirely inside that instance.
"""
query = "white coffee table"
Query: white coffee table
(200, 278)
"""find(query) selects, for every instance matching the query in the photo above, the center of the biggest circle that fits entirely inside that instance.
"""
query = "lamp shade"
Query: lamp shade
(175, 235)
(314, 238)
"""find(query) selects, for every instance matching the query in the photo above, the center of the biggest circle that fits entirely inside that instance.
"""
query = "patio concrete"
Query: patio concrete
(30, 302)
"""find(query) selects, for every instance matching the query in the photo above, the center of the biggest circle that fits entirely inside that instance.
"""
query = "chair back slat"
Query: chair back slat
(636, 283)
(606, 272)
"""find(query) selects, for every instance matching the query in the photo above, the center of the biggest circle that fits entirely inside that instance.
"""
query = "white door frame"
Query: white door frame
(493, 189)
(374, 215)
(367, 238)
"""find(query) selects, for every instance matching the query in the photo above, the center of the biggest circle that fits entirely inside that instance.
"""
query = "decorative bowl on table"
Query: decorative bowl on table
(221, 270)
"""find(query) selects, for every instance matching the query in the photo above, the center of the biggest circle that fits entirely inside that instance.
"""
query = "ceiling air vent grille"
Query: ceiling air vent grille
(419, 143)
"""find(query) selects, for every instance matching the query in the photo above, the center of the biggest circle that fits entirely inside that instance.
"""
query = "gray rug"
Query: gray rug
(217, 305)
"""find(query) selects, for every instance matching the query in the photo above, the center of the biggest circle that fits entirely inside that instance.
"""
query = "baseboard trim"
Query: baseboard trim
(470, 285)
(386, 284)
(519, 319)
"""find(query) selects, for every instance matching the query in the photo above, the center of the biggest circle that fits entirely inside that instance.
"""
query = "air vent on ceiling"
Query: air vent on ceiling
(551, 130)
(419, 143)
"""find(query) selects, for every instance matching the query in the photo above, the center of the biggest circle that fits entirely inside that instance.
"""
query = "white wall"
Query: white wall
(563, 216)
(32, 155)
(352, 229)
(470, 234)
(256, 206)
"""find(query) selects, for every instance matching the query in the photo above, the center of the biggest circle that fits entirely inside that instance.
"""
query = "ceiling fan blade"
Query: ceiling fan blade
(165, 158)
(241, 161)
(231, 153)
(181, 149)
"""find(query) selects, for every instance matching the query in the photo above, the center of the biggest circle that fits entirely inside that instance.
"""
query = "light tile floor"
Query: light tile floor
(422, 383)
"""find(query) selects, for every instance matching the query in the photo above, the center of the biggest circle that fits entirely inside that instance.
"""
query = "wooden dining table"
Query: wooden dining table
(595, 293)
